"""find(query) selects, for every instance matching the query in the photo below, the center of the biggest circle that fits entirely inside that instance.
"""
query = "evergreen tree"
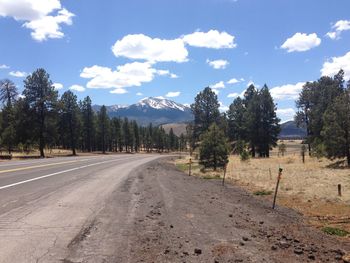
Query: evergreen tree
(236, 121)
(8, 95)
(252, 117)
(103, 124)
(313, 102)
(172, 140)
(205, 111)
(269, 127)
(336, 128)
(88, 125)
(70, 118)
(42, 101)
(214, 149)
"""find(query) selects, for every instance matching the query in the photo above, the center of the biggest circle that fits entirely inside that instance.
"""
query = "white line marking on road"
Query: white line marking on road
(52, 174)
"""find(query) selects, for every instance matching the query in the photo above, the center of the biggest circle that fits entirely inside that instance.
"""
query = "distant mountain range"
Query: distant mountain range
(151, 110)
(163, 111)
(289, 130)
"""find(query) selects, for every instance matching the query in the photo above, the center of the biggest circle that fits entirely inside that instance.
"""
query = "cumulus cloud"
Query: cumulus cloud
(219, 85)
(338, 28)
(119, 91)
(58, 86)
(78, 88)
(143, 47)
(223, 107)
(211, 39)
(252, 83)
(18, 74)
(234, 81)
(285, 114)
(301, 42)
(287, 92)
(139, 94)
(128, 75)
(173, 94)
(3, 66)
(162, 72)
(218, 64)
(43, 17)
(233, 95)
(332, 67)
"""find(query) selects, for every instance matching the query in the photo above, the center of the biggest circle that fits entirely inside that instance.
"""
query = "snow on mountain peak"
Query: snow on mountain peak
(161, 103)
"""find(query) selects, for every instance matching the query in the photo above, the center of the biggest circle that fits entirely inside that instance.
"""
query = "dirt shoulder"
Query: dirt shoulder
(162, 215)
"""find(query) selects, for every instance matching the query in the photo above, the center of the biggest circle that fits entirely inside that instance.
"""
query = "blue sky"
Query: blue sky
(119, 52)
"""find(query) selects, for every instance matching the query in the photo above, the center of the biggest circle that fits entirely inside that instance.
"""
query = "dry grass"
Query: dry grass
(310, 188)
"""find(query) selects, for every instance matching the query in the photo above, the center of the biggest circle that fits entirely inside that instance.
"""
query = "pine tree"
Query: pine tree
(88, 125)
(172, 140)
(103, 124)
(41, 98)
(269, 123)
(8, 96)
(214, 149)
(336, 128)
(236, 120)
(313, 102)
(252, 118)
(205, 110)
(70, 117)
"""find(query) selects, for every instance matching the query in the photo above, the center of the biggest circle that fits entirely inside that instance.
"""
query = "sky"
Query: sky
(119, 52)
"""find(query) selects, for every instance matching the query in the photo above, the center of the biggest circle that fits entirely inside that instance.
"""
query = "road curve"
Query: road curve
(45, 203)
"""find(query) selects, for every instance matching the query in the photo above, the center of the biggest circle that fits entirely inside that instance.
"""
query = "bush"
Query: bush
(244, 155)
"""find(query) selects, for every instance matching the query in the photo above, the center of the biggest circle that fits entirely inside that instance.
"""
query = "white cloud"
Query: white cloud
(210, 39)
(143, 47)
(119, 91)
(285, 114)
(332, 67)
(338, 27)
(49, 26)
(162, 72)
(139, 94)
(173, 94)
(252, 83)
(18, 74)
(223, 107)
(218, 64)
(43, 17)
(287, 92)
(301, 42)
(78, 88)
(234, 81)
(233, 95)
(3, 66)
(128, 75)
(57, 86)
(219, 85)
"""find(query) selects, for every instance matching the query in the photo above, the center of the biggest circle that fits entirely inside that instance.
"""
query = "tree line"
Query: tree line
(250, 127)
(40, 119)
(324, 111)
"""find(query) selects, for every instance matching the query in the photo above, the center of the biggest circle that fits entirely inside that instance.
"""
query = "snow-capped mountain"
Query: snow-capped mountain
(154, 110)
(160, 103)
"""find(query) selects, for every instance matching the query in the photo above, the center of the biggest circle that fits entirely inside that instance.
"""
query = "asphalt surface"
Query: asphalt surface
(140, 208)
(45, 203)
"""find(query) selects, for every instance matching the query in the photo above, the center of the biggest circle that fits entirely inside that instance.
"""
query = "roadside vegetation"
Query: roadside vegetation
(243, 142)
(39, 122)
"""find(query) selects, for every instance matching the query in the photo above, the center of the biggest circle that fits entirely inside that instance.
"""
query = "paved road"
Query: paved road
(45, 203)
(140, 208)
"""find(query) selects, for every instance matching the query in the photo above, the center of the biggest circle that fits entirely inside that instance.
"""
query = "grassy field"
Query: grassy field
(311, 188)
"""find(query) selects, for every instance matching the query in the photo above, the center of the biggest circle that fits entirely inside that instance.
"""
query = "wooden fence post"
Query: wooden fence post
(277, 184)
